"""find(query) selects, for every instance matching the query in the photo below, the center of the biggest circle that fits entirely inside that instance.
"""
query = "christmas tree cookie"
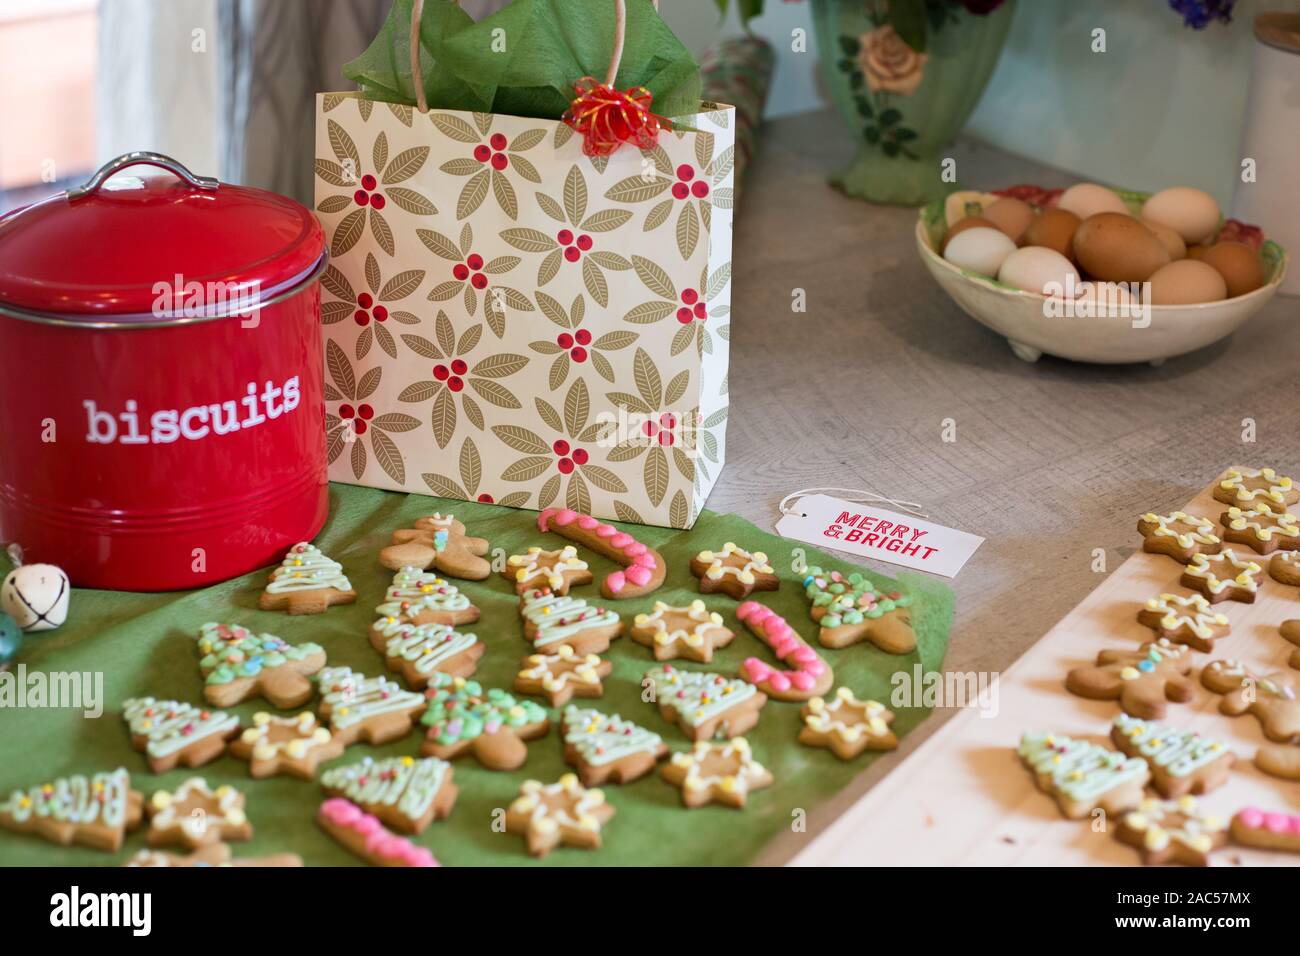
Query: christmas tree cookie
(171, 733)
(1081, 775)
(847, 726)
(238, 665)
(564, 813)
(374, 709)
(724, 773)
(418, 651)
(608, 748)
(562, 675)
(463, 718)
(422, 597)
(306, 582)
(1181, 761)
(405, 793)
(551, 619)
(195, 815)
(692, 632)
(706, 705)
(851, 609)
(438, 542)
(94, 811)
(291, 745)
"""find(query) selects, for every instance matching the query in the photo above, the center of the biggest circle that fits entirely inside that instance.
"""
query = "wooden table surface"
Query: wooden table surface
(1051, 461)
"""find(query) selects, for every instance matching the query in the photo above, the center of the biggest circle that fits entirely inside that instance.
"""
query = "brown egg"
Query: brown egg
(1118, 248)
(1238, 264)
(961, 225)
(1012, 216)
(1172, 240)
(1054, 229)
(1197, 251)
(1187, 282)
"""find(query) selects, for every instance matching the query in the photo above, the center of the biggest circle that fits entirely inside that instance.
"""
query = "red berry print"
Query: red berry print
(482, 153)
(574, 343)
(455, 383)
(685, 187)
(366, 195)
(492, 152)
(365, 301)
(574, 246)
(458, 367)
(572, 254)
(499, 161)
(359, 416)
(441, 372)
(564, 340)
(368, 183)
(663, 430)
(579, 354)
(583, 337)
(487, 499)
(692, 308)
(377, 201)
(471, 269)
(362, 197)
(366, 309)
(561, 447)
(580, 456)
(498, 141)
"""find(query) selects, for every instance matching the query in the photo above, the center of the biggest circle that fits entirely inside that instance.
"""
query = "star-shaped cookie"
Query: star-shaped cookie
(1189, 620)
(195, 815)
(1262, 530)
(847, 726)
(290, 745)
(1223, 577)
(562, 675)
(723, 773)
(1245, 487)
(733, 571)
(1172, 831)
(1179, 535)
(671, 632)
(557, 570)
(564, 813)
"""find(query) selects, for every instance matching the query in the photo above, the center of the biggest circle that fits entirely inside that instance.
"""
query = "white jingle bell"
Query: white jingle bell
(36, 596)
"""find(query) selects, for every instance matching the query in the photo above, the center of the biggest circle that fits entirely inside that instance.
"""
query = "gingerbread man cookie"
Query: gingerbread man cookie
(556, 571)
(1279, 760)
(733, 571)
(238, 665)
(558, 814)
(438, 542)
(847, 726)
(1284, 567)
(603, 747)
(464, 719)
(1172, 831)
(419, 651)
(171, 733)
(363, 834)
(1187, 620)
(195, 815)
(1260, 529)
(213, 854)
(552, 619)
(706, 705)
(94, 811)
(1081, 775)
(374, 709)
(1266, 830)
(306, 582)
(724, 773)
(422, 597)
(1181, 761)
(643, 568)
(562, 675)
(405, 793)
(811, 675)
(290, 745)
(671, 632)
(1223, 577)
(850, 609)
(1140, 680)
(1246, 487)
(1272, 698)
(1179, 535)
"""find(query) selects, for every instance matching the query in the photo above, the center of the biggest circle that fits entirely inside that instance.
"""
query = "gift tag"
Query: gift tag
(871, 532)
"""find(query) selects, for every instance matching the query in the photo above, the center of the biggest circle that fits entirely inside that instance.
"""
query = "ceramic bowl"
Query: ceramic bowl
(1022, 317)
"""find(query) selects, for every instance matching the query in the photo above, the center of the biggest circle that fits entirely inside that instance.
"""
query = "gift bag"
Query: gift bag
(516, 313)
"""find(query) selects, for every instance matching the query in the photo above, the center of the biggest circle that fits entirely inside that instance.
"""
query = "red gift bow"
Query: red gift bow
(607, 118)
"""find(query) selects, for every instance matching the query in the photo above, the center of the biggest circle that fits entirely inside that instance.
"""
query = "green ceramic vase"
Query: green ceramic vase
(904, 107)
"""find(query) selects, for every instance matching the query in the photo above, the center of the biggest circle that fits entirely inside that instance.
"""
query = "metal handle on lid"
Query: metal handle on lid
(140, 158)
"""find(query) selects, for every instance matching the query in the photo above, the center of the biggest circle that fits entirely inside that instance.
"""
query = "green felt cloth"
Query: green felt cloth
(144, 645)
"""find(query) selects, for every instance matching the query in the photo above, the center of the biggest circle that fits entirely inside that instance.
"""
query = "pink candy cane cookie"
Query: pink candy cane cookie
(369, 839)
(1266, 830)
(811, 677)
(643, 567)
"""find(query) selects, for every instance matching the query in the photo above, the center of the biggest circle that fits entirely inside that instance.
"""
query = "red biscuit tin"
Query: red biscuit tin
(161, 414)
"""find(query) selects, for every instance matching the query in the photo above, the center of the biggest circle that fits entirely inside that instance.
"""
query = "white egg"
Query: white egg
(981, 250)
(1192, 213)
(1035, 268)
(1088, 199)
